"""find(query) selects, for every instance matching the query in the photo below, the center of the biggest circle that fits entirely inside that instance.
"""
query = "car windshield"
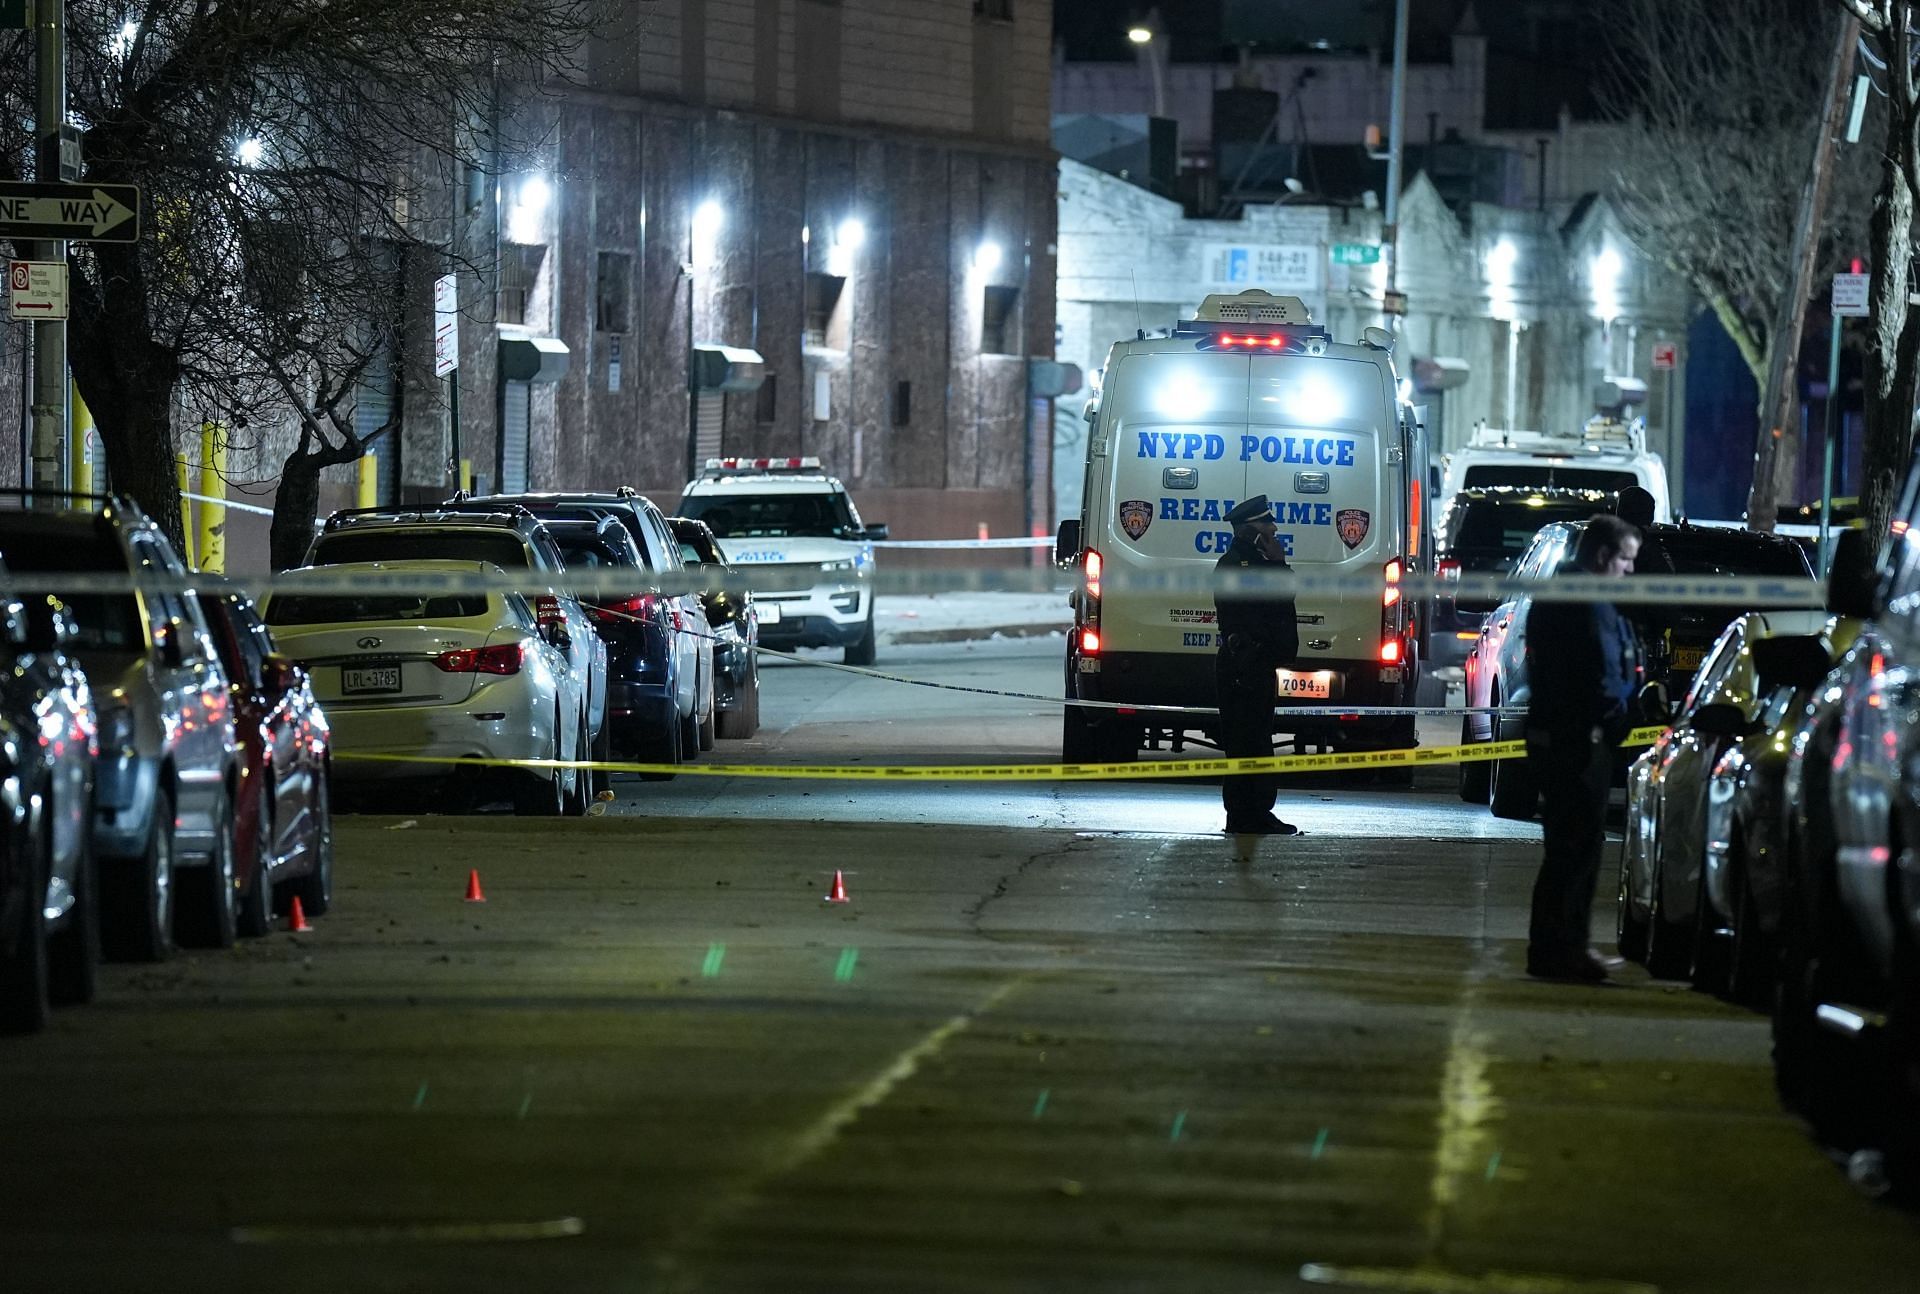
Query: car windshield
(106, 621)
(1496, 531)
(386, 608)
(1548, 476)
(820, 515)
(407, 543)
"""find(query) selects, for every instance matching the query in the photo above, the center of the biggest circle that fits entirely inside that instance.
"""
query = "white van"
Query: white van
(1246, 398)
(1609, 455)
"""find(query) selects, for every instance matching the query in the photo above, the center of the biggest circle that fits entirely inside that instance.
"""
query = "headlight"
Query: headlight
(836, 568)
(116, 733)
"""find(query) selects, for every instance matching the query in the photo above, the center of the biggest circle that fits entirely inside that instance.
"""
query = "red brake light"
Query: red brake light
(501, 658)
(546, 610)
(1447, 571)
(1391, 595)
(621, 610)
(1390, 652)
(1089, 642)
(1094, 565)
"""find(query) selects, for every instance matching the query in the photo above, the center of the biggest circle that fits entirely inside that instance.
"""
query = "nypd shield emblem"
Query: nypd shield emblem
(1135, 516)
(1351, 524)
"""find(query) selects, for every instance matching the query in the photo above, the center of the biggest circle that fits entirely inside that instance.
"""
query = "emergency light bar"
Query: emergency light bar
(1306, 340)
(725, 466)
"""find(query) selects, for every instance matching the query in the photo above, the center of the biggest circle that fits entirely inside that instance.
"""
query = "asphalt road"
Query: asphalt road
(1059, 1039)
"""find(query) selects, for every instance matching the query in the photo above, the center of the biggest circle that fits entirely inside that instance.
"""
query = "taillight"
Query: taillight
(546, 610)
(621, 610)
(1094, 562)
(1089, 642)
(501, 658)
(1391, 595)
(1447, 570)
(1390, 651)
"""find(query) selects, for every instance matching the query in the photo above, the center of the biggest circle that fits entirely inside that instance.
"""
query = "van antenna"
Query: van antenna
(1138, 322)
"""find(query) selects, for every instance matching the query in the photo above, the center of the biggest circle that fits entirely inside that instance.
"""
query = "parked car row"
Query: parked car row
(163, 768)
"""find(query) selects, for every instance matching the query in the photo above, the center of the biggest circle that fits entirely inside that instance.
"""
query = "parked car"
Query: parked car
(1483, 532)
(1675, 638)
(1746, 810)
(514, 541)
(693, 650)
(1665, 917)
(734, 620)
(652, 684)
(168, 770)
(438, 679)
(1846, 1040)
(49, 932)
(283, 823)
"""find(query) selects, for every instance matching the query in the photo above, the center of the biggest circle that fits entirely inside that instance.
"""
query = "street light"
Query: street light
(1152, 48)
(707, 219)
(986, 258)
(1140, 35)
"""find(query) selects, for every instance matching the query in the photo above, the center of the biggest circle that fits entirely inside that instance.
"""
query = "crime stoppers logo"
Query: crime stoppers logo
(1351, 524)
(1135, 516)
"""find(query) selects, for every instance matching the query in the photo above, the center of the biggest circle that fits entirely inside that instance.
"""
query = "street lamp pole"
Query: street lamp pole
(1397, 128)
(50, 336)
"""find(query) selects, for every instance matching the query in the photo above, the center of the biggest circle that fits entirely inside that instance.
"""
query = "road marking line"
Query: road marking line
(1179, 1122)
(1438, 1280)
(1040, 1105)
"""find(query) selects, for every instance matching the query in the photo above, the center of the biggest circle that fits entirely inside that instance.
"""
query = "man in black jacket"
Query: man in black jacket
(1257, 634)
(1583, 660)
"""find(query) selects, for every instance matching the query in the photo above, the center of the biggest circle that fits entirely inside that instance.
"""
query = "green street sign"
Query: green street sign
(16, 13)
(1356, 253)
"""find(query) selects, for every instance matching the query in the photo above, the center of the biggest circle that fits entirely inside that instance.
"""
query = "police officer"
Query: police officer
(1257, 634)
(1583, 660)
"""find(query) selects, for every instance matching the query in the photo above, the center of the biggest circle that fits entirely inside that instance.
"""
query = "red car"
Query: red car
(283, 821)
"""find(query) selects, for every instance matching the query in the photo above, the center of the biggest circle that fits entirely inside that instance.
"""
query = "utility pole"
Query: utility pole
(1776, 452)
(1396, 143)
(50, 336)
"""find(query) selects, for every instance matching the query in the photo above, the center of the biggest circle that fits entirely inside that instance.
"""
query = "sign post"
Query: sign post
(446, 363)
(1666, 355)
(1849, 302)
(49, 334)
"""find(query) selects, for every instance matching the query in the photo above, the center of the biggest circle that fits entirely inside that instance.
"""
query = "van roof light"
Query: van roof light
(1253, 306)
(735, 466)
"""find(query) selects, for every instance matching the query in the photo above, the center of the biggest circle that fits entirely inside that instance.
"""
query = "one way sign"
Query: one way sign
(100, 213)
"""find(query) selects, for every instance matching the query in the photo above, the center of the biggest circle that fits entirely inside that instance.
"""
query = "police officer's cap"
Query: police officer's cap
(1254, 509)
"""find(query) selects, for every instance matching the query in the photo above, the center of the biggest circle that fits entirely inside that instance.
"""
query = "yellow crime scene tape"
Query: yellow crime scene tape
(1338, 760)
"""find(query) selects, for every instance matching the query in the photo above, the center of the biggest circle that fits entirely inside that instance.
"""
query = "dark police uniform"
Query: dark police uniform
(1256, 633)
(1583, 661)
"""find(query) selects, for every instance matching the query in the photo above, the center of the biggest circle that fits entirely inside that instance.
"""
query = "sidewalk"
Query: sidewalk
(959, 617)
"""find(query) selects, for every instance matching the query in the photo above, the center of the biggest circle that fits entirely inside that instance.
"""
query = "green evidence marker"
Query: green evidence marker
(716, 953)
(843, 973)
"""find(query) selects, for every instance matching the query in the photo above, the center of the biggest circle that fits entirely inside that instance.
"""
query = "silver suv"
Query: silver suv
(168, 765)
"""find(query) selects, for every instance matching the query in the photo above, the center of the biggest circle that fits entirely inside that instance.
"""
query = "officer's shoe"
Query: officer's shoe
(1575, 968)
(1264, 825)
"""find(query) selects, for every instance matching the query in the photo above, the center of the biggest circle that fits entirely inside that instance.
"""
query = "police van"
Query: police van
(794, 531)
(1248, 397)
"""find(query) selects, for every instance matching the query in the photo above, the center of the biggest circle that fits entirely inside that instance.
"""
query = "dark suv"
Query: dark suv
(168, 768)
(1675, 638)
(734, 621)
(1846, 1027)
(1483, 532)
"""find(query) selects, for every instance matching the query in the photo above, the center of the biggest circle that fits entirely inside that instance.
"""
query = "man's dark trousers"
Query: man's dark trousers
(1574, 771)
(1248, 687)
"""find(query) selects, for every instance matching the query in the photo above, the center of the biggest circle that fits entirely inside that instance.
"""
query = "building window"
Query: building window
(826, 322)
(766, 407)
(613, 287)
(1000, 321)
(902, 403)
(519, 270)
(993, 10)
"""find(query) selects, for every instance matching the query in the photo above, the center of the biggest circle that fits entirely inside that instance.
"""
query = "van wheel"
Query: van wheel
(1079, 739)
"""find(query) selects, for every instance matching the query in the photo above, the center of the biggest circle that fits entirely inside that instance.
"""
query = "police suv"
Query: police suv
(1248, 397)
(792, 530)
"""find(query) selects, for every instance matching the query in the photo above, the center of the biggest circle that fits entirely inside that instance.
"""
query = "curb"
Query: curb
(967, 633)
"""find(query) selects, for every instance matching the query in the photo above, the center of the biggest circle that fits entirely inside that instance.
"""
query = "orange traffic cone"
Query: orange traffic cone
(839, 894)
(473, 887)
(297, 919)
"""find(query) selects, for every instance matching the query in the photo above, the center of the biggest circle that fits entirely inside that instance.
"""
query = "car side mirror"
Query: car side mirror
(1066, 544)
(1722, 720)
(279, 675)
(1653, 705)
(877, 531)
(555, 632)
(1795, 660)
(1853, 583)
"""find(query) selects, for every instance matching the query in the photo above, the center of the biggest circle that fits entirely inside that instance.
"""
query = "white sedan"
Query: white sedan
(440, 677)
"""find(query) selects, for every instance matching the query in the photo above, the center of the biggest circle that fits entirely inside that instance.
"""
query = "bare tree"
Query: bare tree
(1721, 100)
(1893, 351)
(297, 161)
